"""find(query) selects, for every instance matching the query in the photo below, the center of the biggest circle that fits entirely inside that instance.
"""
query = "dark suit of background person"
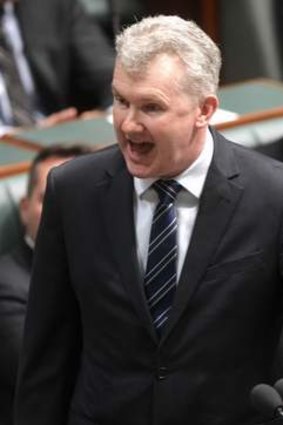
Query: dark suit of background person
(273, 149)
(91, 354)
(278, 20)
(15, 270)
(15, 273)
(70, 58)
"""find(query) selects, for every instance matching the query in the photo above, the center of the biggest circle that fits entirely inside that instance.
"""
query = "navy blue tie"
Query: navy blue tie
(160, 278)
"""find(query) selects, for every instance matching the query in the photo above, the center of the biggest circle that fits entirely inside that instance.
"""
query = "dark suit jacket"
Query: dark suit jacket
(70, 58)
(15, 270)
(275, 150)
(91, 353)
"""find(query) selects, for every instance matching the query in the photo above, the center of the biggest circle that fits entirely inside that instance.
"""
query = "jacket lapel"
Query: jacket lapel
(119, 224)
(218, 202)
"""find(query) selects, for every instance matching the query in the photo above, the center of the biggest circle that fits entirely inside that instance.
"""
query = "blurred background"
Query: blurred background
(250, 36)
(249, 32)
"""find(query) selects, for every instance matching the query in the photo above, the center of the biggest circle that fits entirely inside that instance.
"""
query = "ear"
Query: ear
(24, 210)
(206, 110)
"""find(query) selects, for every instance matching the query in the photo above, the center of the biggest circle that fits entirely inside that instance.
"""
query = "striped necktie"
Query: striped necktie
(160, 278)
(20, 101)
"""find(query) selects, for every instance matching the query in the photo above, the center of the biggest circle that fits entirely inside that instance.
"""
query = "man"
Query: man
(117, 334)
(15, 271)
(64, 60)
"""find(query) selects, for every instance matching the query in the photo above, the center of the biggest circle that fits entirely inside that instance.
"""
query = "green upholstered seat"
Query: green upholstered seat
(251, 96)
(14, 155)
(254, 96)
(256, 134)
(95, 133)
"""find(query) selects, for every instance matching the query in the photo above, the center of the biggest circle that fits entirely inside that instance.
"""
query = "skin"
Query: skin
(31, 206)
(62, 116)
(160, 128)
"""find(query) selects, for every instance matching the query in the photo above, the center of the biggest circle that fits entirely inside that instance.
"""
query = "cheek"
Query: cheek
(174, 141)
(117, 117)
(117, 123)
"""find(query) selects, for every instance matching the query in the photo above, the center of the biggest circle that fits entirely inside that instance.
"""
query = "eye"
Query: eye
(119, 100)
(152, 107)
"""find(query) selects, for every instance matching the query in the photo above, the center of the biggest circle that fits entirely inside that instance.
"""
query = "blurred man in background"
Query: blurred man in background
(15, 270)
(273, 149)
(55, 62)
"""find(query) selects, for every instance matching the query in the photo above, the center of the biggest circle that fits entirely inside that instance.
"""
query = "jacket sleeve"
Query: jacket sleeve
(51, 346)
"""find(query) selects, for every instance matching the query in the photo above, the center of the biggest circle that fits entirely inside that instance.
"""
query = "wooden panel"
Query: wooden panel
(204, 12)
(208, 18)
(13, 169)
(252, 117)
(184, 8)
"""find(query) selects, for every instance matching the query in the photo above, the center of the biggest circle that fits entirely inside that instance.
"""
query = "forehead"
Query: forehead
(164, 72)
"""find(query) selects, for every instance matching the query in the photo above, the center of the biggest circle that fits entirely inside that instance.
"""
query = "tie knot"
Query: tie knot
(167, 190)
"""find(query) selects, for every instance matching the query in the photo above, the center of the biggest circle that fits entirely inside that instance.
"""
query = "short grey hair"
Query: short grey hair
(141, 42)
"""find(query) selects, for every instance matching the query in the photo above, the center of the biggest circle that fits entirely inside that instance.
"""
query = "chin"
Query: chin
(139, 171)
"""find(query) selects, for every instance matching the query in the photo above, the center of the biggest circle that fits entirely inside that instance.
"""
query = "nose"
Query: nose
(131, 123)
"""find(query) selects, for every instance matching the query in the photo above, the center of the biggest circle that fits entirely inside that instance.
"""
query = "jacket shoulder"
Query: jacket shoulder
(95, 167)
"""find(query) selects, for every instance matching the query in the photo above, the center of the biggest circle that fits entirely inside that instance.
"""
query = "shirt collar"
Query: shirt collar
(29, 241)
(193, 178)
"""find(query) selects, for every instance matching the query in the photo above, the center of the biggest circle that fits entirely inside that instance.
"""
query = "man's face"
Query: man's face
(160, 129)
(31, 207)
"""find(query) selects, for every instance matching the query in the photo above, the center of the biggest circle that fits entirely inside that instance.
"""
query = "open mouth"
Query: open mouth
(140, 148)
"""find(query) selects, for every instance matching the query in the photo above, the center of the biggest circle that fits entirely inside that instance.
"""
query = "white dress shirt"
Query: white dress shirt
(187, 203)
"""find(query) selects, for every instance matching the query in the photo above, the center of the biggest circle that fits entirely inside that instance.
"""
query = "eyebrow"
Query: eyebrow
(142, 98)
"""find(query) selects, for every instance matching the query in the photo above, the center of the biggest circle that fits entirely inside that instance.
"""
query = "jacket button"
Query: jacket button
(162, 373)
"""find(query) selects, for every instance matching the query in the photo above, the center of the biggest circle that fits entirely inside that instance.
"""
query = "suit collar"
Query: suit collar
(224, 157)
